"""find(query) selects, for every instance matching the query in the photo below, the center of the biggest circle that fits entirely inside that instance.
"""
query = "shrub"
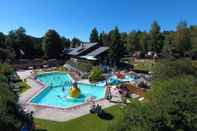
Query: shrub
(167, 69)
(6, 69)
(96, 74)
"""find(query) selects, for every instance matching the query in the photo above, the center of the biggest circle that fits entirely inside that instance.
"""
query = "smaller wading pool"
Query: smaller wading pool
(54, 95)
(113, 80)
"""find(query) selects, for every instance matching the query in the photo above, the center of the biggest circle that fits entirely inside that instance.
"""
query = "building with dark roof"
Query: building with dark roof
(91, 52)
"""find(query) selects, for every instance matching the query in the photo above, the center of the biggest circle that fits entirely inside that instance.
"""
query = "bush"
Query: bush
(6, 69)
(96, 74)
(167, 69)
(3, 78)
(171, 103)
(171, 106)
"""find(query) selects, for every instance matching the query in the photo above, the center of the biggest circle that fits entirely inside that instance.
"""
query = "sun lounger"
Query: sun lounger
(134, 96)
(141, 99)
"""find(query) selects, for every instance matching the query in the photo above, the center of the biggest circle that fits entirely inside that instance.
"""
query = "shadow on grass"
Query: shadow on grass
(118, 102)
(106, 116)
(40, 130)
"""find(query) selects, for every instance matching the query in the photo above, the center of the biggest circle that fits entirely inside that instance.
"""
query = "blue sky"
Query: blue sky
(77, 17)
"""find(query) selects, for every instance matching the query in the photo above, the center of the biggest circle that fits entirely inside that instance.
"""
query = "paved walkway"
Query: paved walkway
(23, 74)
(61, 115)
(27, 95)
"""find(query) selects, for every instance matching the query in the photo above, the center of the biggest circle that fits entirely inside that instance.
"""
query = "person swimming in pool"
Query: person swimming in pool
(63, 89)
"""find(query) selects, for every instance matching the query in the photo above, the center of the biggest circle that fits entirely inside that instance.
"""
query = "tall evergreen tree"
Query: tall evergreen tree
(182, 38)
(52, 45)
(2, 40)
(132, 42)
(193, 36)
(20, 43)
(117, 49)
(66, 42)
(105, 38)
(155, 38)
(75, 42)
(94, 36)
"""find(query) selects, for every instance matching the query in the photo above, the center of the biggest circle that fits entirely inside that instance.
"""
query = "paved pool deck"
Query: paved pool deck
(62, 115)
(53, 113)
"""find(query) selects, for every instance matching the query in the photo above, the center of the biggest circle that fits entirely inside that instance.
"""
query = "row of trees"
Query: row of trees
(170, 105)
(183, 41)
(17, 44)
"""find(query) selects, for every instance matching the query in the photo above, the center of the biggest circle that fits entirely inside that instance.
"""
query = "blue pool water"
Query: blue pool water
(126, 78)
(54, 78)
(55, 96)
(113, 80)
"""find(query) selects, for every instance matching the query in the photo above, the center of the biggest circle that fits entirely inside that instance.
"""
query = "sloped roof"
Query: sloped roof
(98, 51)
(88, 57)
(82, 48)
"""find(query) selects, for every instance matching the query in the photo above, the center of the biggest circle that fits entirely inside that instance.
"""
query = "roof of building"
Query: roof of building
(92, 55)
(97, 51)
(82, 48)
(88, 57)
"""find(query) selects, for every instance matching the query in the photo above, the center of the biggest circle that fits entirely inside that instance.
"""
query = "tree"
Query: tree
(124, 38)
(6, 55)
(2, 40)
(132, 42)
(94, 37)
(169, 46)
(182, 38)
(37, 45)
(66, 42)
(171, 105)
(20, 43)
(117, 49)
(193, 36)
(104, 39)
(96, 74)
(52, 45)
(75, 42)
(6, 70)
(143, 41)
(169, 68)
(155, 38)
(12, 116)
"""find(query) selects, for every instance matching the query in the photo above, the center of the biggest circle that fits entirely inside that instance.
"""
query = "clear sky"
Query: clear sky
(77, 17)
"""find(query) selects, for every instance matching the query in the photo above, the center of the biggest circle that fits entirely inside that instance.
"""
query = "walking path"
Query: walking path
(61, 115)
(27, 95)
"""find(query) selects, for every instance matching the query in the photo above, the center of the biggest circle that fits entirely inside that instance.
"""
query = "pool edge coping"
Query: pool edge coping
(57, 107)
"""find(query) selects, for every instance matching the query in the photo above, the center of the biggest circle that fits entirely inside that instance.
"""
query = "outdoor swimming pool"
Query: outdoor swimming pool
(54, 95)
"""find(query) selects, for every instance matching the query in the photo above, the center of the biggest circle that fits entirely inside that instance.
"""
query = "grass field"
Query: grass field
(23, 86)
(144, 65)
(89, 122)
(194, 63)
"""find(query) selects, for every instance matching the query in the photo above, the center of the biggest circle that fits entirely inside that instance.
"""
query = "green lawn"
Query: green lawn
(146, 65)
(23, 86)
(88, 122)
(194, 62)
